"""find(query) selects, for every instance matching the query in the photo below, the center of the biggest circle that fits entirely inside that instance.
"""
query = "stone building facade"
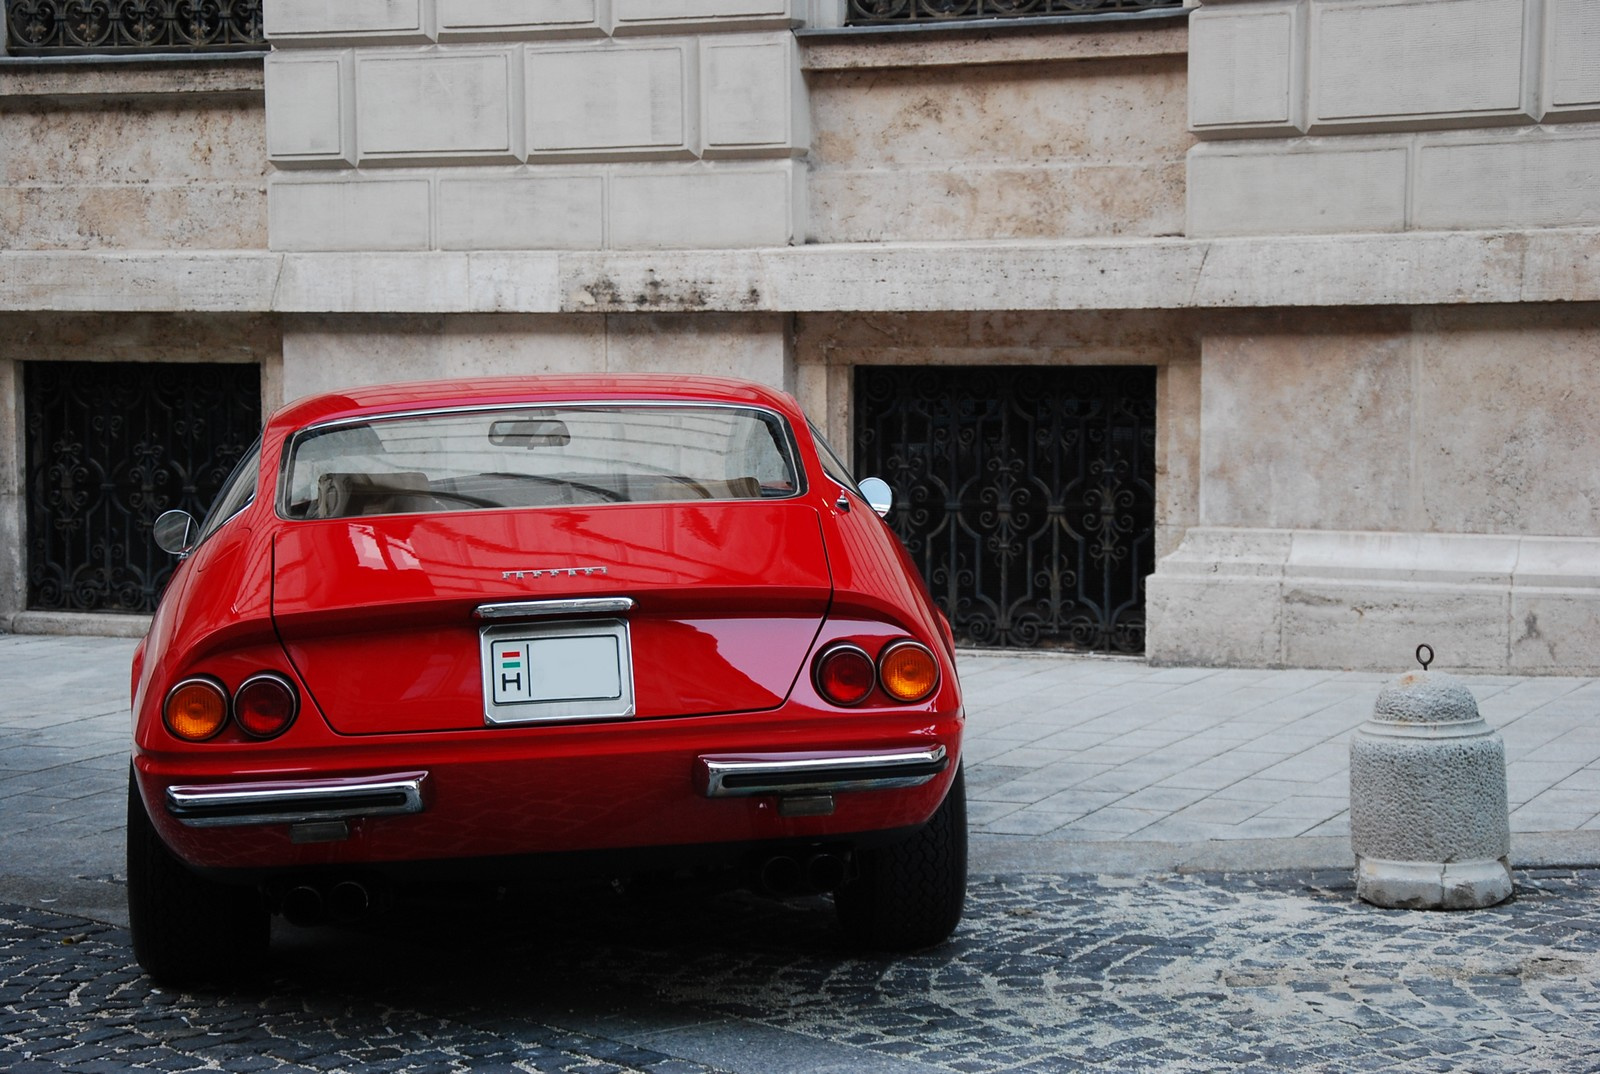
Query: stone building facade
(1348, 251)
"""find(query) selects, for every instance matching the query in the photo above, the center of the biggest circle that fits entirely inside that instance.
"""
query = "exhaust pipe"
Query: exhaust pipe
(781, 875)
(349, 901)
(303, 905)
(824, 872)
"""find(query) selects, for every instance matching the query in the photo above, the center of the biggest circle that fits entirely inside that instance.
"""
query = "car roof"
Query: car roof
(497, 391)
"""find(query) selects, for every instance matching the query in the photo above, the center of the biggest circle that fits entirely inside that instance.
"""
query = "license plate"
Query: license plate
(557, 671)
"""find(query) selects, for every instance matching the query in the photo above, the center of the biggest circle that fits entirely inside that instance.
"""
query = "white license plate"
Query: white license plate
(557, 671)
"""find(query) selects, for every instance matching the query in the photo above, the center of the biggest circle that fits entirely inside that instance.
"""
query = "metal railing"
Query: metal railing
(889, 12)
(67, 27)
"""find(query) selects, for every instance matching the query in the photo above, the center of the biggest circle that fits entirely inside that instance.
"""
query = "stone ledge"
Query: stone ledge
(993, 42)
(1415, 269)
(96, 80)
(1303, 598)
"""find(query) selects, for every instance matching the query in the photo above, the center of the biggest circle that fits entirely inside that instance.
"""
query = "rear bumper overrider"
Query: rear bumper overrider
(220, 805)
(744, 775)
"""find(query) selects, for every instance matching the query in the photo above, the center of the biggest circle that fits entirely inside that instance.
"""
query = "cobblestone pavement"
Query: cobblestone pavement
(1102, 933)
(1180, 973)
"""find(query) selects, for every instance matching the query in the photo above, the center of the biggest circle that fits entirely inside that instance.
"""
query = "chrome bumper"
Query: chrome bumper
(732, 776)
(219, 805)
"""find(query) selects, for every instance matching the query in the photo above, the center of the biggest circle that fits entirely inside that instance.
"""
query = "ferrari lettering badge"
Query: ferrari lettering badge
(551, 572)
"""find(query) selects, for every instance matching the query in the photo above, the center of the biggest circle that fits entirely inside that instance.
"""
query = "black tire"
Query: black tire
(188, 929)
(910, 894)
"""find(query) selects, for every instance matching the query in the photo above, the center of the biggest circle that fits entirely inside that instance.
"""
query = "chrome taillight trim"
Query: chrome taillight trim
(223, 805)
(745, 776)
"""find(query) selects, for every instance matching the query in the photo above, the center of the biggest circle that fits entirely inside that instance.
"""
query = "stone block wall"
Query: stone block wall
(538, 124)
(164, 157)
(1322, 116)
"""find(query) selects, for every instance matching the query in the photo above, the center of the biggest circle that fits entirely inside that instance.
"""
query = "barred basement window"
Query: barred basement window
(882, 12)
(67, 27)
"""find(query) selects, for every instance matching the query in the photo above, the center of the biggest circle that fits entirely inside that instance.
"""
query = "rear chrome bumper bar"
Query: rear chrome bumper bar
(743, 775)
(221, 805)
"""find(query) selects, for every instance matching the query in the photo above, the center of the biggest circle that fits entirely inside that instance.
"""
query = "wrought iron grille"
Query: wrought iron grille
(109, 447)
(1026, 495)
(874, 12)
(48, 27)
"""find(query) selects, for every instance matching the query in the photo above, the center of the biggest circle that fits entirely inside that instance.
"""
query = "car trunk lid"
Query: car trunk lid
(381, 615)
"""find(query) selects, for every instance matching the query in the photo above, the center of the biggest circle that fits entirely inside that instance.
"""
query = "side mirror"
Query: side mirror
(878, 495)
(175, 532)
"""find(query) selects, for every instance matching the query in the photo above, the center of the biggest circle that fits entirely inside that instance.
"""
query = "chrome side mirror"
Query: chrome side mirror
(175, 532)
(878, 495)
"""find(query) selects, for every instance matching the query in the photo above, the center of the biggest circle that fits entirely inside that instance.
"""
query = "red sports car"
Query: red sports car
(532, 628)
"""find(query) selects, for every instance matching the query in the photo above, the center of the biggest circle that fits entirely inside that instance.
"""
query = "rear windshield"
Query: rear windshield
(549, 456)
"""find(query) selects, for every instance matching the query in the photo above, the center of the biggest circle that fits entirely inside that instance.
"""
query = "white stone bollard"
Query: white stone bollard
(1428, 817)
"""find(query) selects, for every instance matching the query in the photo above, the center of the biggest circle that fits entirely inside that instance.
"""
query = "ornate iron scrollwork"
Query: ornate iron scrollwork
(1026, 495)
(45, 27)
(110, 446)
(871, 12)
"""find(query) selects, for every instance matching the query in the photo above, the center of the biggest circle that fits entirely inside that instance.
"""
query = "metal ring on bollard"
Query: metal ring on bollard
(1424, 661)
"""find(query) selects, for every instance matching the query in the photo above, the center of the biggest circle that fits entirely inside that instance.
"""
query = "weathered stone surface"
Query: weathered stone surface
(133, 174)
(1024, 152)
(1298, 429)
(325, 354)
(1140, 274)
(1303, 598)
(1429, 821)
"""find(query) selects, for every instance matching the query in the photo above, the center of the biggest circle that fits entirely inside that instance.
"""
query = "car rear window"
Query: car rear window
(545, 456)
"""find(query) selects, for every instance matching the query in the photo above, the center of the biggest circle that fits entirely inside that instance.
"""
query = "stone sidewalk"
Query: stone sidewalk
(1075, 764)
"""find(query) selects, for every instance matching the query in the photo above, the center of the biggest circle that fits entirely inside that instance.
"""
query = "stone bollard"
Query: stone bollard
(1428, 817)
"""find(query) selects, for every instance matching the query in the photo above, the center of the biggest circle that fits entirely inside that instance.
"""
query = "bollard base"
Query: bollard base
(1421, 885)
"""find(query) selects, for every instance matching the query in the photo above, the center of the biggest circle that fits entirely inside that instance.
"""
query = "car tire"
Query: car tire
(188, 929)
(910, 894)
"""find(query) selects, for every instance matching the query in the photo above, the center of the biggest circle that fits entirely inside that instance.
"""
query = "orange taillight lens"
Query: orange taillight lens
(265, 705)
(195, 709)
(908, 671)
(844, 675)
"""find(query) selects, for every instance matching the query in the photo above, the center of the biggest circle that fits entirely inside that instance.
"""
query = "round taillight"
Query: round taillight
(908, 671)
(844, 675)
(265, 705)
(195, 709)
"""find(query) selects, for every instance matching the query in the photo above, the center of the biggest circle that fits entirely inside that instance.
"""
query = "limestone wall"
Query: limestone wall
(327, 353)
(1372, 480)
(1052, 135)
(1324, 116)
(137, 157)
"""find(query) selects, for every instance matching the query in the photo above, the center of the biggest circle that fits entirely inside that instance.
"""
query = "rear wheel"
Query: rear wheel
(911, 894)
(187, 929)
